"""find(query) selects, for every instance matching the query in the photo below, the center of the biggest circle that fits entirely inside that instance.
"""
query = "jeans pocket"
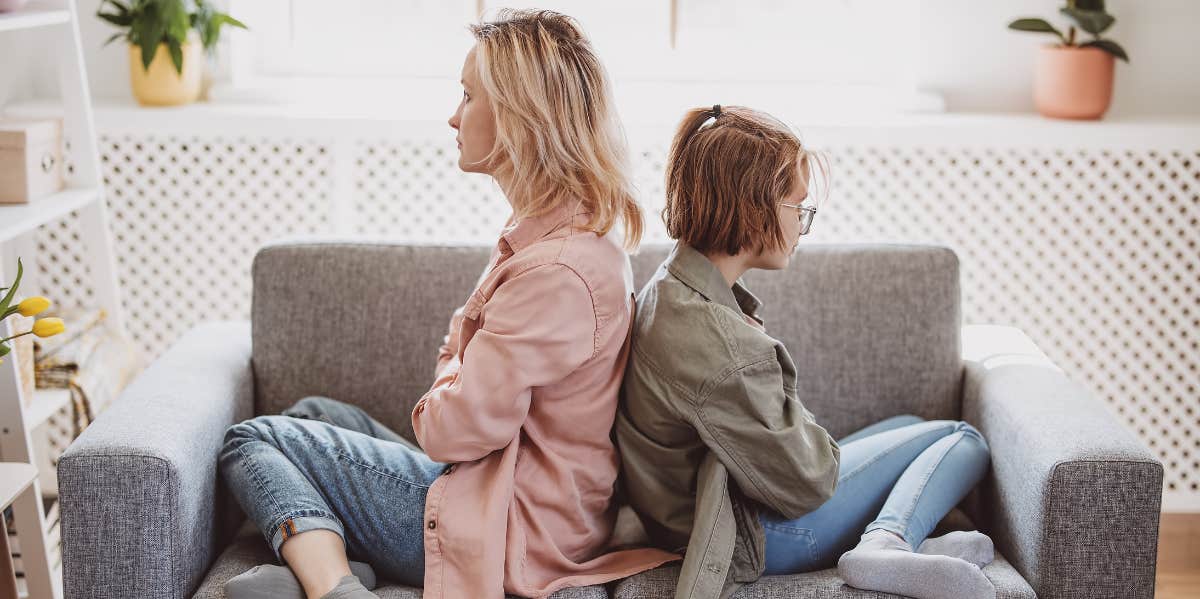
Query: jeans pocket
(789, 549)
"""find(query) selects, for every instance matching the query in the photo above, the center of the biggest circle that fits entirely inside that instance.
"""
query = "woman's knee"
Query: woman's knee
(972, 433)
(259, 428)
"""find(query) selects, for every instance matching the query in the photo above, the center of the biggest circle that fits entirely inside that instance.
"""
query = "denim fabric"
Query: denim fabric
(325, 464)
(902, 474)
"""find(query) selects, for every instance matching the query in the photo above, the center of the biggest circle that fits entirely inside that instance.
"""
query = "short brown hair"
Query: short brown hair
(725, 179)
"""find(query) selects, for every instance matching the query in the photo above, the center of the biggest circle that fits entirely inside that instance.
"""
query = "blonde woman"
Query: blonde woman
(513, 489)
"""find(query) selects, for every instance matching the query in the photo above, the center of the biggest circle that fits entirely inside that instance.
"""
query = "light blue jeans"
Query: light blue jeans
(325, 464)
(903, 474)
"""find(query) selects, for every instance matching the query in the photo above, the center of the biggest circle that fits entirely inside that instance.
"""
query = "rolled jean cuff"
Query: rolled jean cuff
(303, 521)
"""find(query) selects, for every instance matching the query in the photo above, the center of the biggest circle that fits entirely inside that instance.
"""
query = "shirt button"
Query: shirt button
(432, 524)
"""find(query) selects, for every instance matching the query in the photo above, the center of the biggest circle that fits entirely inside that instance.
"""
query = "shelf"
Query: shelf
(28, 18)
(370, 119)
(45, 403)
(17, 219)
(14, 479)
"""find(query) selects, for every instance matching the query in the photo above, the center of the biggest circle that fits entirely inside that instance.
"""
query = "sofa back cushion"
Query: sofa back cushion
(873, 329)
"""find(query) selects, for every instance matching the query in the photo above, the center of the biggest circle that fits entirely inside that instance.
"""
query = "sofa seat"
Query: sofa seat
(659, 583)
(249, 549)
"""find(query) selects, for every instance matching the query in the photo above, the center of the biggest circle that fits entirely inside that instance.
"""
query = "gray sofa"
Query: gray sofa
(1072, 498)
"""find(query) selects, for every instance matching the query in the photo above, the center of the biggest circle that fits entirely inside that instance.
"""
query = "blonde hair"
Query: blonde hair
(727, 171)
(558, 135)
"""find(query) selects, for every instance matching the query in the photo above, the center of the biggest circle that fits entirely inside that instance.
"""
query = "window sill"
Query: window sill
(422, 109)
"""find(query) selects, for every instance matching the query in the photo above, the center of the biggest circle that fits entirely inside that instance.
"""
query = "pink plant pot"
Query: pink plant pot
(11, 5)
(1073, 83)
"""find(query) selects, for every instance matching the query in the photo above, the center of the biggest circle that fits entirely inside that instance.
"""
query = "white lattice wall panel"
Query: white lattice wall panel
(187, 215)
(413, 189)
(1091, 251)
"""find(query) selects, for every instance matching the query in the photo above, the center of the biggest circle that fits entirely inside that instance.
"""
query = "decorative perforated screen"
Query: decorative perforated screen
(1091, 251)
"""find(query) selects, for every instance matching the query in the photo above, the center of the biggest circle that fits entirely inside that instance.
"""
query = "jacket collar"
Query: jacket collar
(698, 272)
(525, 231)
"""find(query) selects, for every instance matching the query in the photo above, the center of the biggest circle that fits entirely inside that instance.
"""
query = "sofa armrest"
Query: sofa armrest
(1073, 496)
(140, 512)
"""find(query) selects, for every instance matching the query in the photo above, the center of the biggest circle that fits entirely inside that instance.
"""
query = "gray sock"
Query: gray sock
(349, 588)
(884, 562)
(970, 545)
(268, 581)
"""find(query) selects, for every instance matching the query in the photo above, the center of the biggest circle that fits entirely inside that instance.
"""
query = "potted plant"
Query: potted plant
(167, 42)
(1074, 79)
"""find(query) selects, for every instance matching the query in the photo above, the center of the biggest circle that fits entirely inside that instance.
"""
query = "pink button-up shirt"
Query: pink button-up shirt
(523, 404)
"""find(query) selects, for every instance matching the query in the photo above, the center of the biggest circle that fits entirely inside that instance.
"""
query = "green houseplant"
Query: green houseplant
(167, 41)
(1074, 79)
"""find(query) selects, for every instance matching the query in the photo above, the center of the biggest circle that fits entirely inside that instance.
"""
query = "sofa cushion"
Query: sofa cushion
(873, 329)
(360, 322)
(659, 583)
(250, 549)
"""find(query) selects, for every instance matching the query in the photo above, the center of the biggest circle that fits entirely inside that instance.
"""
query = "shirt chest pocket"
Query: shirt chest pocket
(472, 310)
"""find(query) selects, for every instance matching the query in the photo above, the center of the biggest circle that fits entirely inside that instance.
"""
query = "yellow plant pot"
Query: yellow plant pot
(161, 85)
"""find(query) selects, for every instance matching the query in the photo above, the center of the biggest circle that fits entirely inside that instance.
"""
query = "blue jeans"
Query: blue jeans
(325, 464)
(902, 474)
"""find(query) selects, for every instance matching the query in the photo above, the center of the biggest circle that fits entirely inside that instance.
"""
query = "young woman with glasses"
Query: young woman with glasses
(710, 397)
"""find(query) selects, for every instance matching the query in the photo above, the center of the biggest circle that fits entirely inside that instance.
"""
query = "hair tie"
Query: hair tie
(716, 110)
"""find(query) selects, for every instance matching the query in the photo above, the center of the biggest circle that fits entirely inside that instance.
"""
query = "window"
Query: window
(810, 47)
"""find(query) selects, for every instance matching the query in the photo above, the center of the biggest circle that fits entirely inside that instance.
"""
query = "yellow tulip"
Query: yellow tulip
(48, 327)
(33, 305)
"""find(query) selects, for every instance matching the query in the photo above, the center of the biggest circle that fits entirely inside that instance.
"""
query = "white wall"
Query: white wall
(968, 55)
(978, 64)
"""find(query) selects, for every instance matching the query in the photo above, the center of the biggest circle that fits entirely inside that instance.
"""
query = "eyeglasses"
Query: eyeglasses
(807, 214)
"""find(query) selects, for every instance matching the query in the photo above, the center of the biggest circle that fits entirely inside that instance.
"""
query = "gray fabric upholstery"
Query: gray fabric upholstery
(358, 322)
(249, 549)
(1073, 497)
(873, 328)
(141, 512)
(659, 583)
(1072, 500)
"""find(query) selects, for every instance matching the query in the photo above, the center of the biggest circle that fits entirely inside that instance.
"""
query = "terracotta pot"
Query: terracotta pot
(1073, 83)
(161, 84)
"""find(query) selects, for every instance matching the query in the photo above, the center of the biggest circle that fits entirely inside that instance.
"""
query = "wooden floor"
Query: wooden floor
(1178, 557)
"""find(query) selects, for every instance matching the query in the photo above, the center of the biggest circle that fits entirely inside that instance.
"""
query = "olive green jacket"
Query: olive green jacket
(710, 429)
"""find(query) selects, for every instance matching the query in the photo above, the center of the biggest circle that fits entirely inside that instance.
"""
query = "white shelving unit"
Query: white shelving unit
(57, 20)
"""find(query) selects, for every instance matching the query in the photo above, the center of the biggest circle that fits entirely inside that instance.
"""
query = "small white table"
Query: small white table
(16, 481)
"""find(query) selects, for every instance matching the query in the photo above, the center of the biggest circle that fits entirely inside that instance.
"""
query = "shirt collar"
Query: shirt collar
(520, 234)
(698, 272)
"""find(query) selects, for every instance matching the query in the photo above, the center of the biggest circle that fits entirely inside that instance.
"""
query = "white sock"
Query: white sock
(970, 545)
(884, 562)
(349, 588)
(269, 581)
